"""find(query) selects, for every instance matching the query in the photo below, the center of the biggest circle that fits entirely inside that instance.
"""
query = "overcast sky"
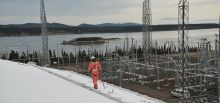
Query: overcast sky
(75, 12)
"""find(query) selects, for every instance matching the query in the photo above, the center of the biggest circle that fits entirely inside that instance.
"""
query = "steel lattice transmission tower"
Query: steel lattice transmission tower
(45, 54)
(147, 31)
(183, 21)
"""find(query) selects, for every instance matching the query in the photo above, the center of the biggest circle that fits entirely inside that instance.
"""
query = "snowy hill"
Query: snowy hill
(27, 83)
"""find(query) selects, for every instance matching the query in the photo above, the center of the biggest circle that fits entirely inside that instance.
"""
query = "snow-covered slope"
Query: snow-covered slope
(25, 83)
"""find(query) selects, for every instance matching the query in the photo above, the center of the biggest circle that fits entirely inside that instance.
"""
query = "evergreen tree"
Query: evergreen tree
(23, 57)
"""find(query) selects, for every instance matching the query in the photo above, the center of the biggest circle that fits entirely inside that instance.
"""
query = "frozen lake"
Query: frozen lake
(33, 43)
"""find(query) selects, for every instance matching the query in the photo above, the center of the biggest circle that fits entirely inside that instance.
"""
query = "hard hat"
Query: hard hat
(92, 57)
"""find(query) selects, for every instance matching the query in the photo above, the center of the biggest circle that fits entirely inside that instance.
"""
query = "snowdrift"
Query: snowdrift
(28, 83)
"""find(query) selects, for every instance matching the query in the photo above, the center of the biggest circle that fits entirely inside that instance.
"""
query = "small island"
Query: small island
(88, 41)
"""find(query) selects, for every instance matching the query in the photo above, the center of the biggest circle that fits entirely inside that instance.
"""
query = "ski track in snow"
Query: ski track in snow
(115, 93)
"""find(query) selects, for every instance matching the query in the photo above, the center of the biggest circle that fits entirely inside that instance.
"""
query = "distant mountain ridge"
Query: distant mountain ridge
(27, 25)
(119, 24)
(64, 25)
(29, 29)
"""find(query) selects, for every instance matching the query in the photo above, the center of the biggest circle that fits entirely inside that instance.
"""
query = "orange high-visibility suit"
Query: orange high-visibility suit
(94, 69)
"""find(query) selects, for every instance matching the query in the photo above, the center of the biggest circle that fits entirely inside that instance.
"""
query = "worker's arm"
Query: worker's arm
(89, 67)
(99, 67)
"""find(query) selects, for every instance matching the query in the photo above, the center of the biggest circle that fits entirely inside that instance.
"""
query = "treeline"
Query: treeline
(83, 56)
(34, 29)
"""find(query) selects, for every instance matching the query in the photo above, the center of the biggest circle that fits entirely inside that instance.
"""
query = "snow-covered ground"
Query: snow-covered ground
(26, 83)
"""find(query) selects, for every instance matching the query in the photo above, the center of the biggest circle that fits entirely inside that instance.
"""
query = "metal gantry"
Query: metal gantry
(45, 52)
(204, 52)
(147, 31)
(183, 21)
(204, 48)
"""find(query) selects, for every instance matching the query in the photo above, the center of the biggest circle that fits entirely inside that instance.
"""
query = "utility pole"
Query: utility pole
(158, 72)
(45, 50)
(27, 59)
(58, 57)
(218, 61)
(147, 31)
(127, 46)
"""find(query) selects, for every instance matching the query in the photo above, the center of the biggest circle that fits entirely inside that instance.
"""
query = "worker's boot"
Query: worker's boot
(95, 86)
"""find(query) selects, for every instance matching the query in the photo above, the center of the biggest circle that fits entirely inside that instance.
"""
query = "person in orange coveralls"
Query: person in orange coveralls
(94, 69)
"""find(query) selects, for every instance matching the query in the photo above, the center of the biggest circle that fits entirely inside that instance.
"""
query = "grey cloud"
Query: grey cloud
(199, 2)
(93, 10)
(88, 7)
(215, 20)
(170, 18)
(65, 7)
